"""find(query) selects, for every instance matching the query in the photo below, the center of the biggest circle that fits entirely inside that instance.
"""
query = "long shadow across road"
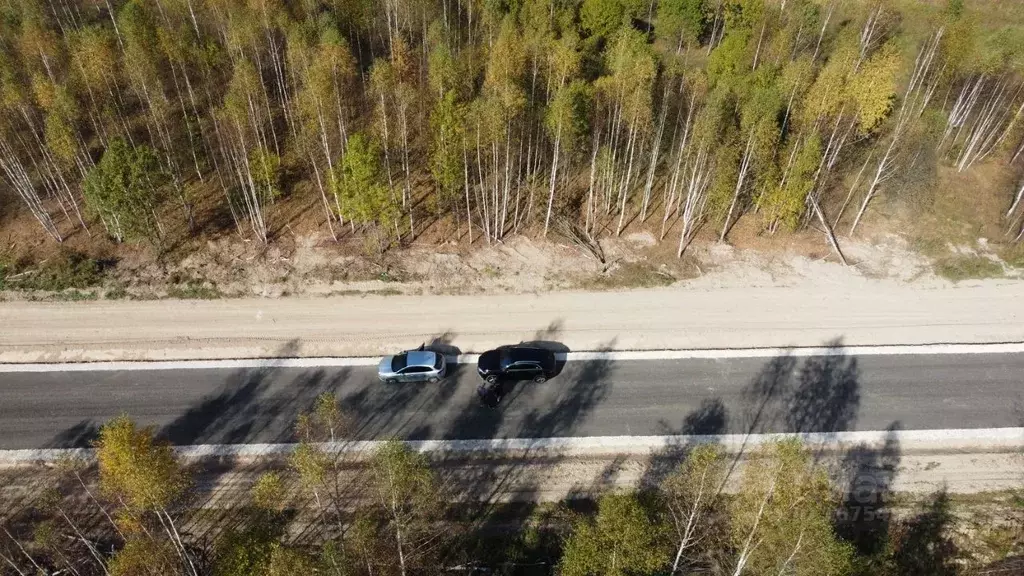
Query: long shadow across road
(653, 397)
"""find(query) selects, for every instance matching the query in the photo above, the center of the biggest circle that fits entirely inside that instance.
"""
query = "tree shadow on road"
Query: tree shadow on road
(252, 405)
(817, 394)
(561, 407)
(81, 435)
(706, 422)
(827, 394)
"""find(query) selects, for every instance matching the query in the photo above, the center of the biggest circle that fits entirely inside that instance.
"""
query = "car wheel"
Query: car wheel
(492, 379)
(540, 379)
(391, 381)
(434, 380)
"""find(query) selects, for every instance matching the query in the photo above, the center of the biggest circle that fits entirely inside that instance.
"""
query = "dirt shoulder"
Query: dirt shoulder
(808, 313)
(720, 296)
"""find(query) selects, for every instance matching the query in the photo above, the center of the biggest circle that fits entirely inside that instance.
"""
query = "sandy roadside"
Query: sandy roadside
(868, 312)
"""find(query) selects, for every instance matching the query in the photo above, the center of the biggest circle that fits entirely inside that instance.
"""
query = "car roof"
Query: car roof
(520, 353)
(420, 358)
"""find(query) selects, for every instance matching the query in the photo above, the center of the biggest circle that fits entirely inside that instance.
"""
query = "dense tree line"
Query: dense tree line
(494, 115)
(139, 515)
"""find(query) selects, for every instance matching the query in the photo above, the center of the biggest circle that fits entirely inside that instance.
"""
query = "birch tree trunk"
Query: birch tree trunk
(554, 174)
(744, 166)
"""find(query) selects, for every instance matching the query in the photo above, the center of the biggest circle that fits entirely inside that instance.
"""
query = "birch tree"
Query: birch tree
(141, 63)
(125, 191)
(407, 493)
(142, 474)
(875, 103)
(362, 190)
(693, 498)
(566, 121)
(627, 89)
(782, 516)
(247, 151)
(622, 539)
(326, 73)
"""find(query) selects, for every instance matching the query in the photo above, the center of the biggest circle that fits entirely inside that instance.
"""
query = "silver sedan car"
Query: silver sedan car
(412, 366)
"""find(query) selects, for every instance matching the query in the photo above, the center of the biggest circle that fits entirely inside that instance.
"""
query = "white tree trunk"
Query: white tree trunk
(554, 174)
(744, 166)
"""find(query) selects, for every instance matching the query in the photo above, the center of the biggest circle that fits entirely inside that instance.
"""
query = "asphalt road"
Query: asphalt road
(588, 398)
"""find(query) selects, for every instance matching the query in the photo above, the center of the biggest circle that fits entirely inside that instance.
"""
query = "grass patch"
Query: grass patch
(116, 292)
(380, 292)
(629, 275)
(75, 295)
(1013, 255)
(66, 271)
(958, 268)
(194, 290)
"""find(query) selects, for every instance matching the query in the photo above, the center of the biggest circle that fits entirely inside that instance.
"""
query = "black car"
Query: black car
(517, 363)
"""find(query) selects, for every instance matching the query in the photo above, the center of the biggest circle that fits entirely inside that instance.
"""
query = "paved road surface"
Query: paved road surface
(589, 398)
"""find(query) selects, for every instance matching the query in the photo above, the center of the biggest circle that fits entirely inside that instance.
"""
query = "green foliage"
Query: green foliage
(250, 89)
(60, 128)
(621, 540)
(141, 60)
(723, 180)
(245, 552)
(503, 81)
(66, 270)
(567, 116)
(125, 189)
(286, 561)
(955, 8)
(360, 187)
(829, 91)
(730, 60)
(967, 267)
(603, 17)
(782, 516)
(785, 204)
(194, 290)
(266, 172)
(142, 556)
(632, 68)
(681, 21)
(443, 68)
(268, 492)
(743, 14)
(408, 497)
(873, 88)
(446, 162)
(312, 464)
(404, 483)
(326, 422)
(136, 469)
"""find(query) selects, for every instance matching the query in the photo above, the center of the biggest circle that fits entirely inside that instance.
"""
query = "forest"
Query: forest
(138, 508)
(148, 121)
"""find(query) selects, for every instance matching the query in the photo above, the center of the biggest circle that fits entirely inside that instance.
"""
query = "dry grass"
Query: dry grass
(967, 267)
(627, 276)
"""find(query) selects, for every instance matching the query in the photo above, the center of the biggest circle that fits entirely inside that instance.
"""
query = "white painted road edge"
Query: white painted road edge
(706, 354)
(906, 441)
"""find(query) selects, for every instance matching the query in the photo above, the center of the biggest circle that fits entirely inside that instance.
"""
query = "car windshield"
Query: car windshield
(399, 362)
(437, 361)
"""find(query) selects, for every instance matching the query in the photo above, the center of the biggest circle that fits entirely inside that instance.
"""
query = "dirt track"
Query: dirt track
(808, 314)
